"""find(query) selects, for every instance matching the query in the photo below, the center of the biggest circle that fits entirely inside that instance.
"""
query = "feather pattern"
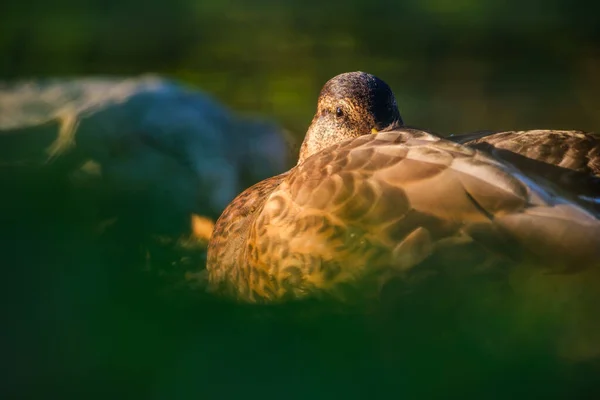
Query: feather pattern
(380, 206)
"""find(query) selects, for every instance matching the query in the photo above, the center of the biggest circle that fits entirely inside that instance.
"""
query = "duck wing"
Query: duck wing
(567, 160)
(574, 150)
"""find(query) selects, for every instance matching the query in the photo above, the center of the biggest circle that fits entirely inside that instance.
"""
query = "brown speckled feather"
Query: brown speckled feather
(568, 160)
(378, 206)
(573, 150)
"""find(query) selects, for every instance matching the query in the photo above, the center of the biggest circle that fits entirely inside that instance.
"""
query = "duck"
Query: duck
(371, 200)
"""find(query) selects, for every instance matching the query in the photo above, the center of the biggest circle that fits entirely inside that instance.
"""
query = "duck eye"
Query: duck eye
(339, 112)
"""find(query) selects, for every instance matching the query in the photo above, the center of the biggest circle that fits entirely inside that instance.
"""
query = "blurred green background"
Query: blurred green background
(456, 65)
(96, 329)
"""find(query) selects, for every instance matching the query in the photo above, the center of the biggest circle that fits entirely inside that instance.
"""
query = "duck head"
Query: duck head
(350, 105)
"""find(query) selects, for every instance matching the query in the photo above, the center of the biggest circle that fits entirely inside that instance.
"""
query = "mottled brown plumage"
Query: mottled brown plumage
(368, 208)
(574, 150)
(569, 160)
